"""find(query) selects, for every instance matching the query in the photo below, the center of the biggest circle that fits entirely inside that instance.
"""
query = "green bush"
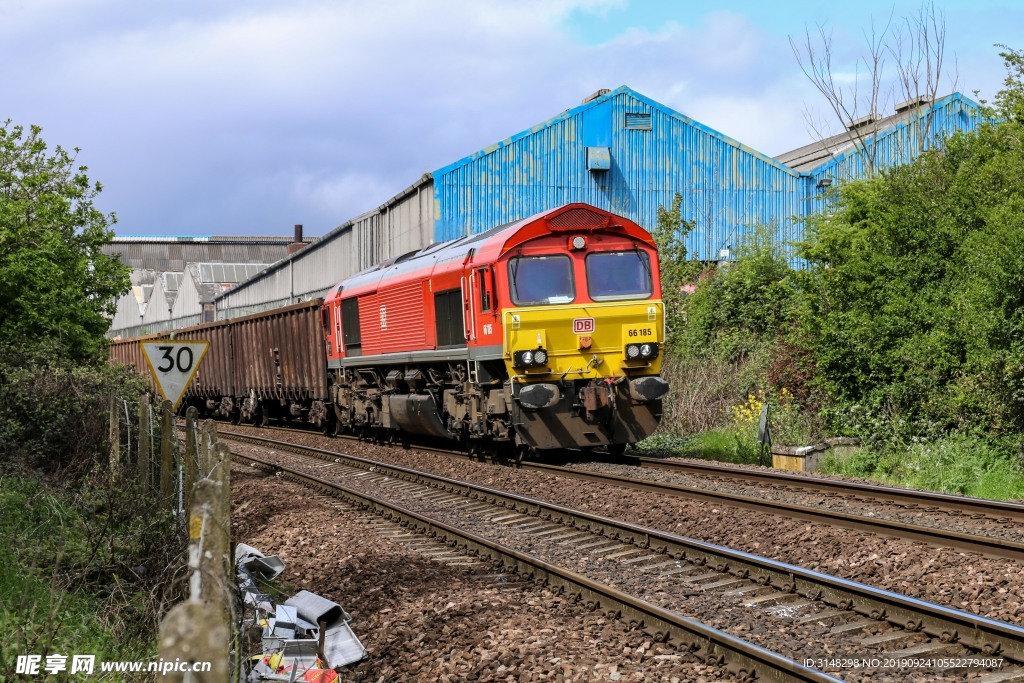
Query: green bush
(743, 304)
(44, 399)
(91, 573)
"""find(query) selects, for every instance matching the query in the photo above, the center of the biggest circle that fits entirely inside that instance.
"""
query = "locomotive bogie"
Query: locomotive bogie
(586, 414)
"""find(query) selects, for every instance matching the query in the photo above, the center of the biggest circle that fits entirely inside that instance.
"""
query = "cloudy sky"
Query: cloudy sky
(206, 117)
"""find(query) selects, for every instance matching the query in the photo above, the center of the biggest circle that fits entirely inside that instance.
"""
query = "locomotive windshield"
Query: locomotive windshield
(537, 280)
(619, 275)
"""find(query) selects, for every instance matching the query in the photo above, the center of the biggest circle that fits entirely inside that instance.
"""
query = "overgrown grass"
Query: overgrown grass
(964, 464)
(728, 444)
(43, 608)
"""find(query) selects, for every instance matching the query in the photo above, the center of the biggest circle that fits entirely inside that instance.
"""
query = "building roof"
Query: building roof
(602, 97)
(170, 254)
(811, 156)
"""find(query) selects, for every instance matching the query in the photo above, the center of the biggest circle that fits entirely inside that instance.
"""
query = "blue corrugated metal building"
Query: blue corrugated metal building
(623, 152)
(629, 154)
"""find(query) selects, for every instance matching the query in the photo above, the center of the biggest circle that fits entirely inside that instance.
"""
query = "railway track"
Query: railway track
(888, 624)
(997, 511)
(909, 498)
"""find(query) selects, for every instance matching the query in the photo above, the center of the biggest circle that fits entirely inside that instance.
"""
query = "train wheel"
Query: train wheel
(617, 450)
(262, 418)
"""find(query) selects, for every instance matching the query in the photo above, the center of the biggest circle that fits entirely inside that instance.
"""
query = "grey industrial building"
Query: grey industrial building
(175, 279)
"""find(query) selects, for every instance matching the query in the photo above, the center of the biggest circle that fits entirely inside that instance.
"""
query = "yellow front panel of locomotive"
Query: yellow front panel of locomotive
(563, 331)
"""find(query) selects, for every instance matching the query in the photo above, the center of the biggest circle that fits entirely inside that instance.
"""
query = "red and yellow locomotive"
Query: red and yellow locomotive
(542, 334)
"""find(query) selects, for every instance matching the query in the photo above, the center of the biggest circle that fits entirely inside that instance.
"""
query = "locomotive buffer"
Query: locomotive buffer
(173, 365)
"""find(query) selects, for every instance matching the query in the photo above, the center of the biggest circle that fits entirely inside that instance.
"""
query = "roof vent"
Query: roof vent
(638, 121)
(578, 218)
(597, 93)
(862, 122)
(913, 103)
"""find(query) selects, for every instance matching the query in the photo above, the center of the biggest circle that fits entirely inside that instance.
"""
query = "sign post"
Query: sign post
(174, 365)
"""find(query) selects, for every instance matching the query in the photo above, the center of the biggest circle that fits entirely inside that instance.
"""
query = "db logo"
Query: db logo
(583, 325)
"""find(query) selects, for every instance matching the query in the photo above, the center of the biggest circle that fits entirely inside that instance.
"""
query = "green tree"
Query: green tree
(675, 269)
(742, 304)
(55, 283)
(915, 296)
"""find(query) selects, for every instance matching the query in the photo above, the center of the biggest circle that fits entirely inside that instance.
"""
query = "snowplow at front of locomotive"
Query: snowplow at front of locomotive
(540, 335)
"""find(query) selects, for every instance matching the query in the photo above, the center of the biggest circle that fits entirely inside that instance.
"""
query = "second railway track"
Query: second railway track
(1004, 514)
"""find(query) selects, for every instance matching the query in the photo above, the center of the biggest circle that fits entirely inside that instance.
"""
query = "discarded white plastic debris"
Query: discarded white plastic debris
(291, 636)
(267, 567)
(341, 646)
(284, 621)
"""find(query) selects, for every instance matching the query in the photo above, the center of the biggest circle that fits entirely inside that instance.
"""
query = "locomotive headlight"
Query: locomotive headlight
(578, 242)
(632, 351)
(648, 351)
(531, 358)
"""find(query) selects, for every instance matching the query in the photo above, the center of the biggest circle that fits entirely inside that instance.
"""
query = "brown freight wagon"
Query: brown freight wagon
(267, 365)
(215, 378)
(281, 364)
(129, 352)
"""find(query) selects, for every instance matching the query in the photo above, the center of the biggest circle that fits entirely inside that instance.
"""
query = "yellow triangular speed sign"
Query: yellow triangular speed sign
(174, 364)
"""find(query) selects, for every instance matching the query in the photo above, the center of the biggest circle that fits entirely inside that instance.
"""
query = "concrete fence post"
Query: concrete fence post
(191, 464)
(209, 535)
(195, 632)
(206, 448)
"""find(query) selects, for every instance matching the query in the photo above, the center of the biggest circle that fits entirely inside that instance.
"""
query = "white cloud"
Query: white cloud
(250, 115)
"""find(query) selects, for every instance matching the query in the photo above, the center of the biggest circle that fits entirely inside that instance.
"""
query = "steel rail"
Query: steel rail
(947, 624)
(985, 545)
(744, 659)
(965, 504)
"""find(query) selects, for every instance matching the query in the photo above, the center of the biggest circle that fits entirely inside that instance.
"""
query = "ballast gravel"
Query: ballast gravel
(422, 620)
(992, 587)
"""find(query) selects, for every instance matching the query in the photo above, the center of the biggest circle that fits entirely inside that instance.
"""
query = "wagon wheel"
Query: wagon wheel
(236, 416)
(262, 418)
(522, 452)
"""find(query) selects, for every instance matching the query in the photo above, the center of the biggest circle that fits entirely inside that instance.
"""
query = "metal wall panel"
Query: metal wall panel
(157, 311)
(187, 304)
(726, 186)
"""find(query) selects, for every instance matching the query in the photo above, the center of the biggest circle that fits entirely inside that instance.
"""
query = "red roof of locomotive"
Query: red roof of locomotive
(486, 247)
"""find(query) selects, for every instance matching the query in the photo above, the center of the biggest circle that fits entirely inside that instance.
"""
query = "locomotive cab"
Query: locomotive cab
(583, 334)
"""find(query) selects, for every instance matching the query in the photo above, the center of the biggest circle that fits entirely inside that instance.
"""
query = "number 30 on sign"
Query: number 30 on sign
(174, 365)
